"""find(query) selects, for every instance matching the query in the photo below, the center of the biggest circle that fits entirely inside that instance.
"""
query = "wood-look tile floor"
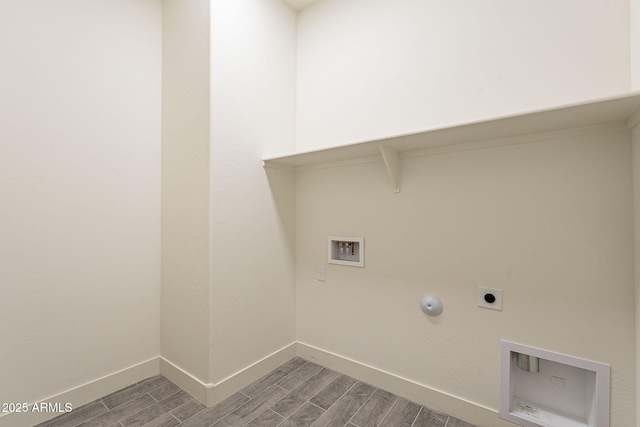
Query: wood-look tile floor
(298, 393)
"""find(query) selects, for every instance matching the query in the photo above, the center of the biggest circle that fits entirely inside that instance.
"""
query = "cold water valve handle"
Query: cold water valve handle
(431, 305)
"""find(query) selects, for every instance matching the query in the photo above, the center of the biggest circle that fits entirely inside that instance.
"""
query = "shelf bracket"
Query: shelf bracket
(392, 162)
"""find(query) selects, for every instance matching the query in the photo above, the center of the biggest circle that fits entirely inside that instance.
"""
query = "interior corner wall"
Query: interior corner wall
(252, 298)
(549, 222)
(375, 68)
(185, 186)
(80, 184)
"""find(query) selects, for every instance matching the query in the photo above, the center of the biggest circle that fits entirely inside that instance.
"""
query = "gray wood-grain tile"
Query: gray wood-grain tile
(77, 416)
(375, 409)
(165, 420)
(188, 410)
(306, 415)
(292, 401)
(120, 412)
(331, 393)
(266, 419)
(346, 406)
(429, 418)
(273, 377)
(253, 408)
(164, 391)
(210, 416)
(297, 394)
(454, 422)
(299, 376)
(156, 410)
(402, 414)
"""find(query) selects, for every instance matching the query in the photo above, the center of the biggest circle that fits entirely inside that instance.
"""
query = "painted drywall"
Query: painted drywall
(634, 14)
(252, 302)
(635, 135)
(185, 186)
(374, 68)
(80, 184)
(549, 222)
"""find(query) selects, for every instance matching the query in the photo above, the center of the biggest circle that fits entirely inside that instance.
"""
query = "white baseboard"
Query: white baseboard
(210, 394)
(84, 393)
(426, 396)
(251, 373)
(183, 379)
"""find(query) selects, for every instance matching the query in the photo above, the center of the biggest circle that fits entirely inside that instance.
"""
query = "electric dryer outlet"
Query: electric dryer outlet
(490, 298)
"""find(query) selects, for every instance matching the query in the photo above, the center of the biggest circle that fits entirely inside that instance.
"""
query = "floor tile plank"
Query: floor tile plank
(332, 392)
(253, 408)
(273, 377)
(298, 393)
(77, 416)
(156, 410)
(165, 391)
(214, 414)
(344, 408)
(188, 410)
(120, 412)
(294, 400)
(306, 415)
(300, 375)
(402, 414)
(166, 420)
(375, 409)
(267, 419)
(429, 418)
(454, 422)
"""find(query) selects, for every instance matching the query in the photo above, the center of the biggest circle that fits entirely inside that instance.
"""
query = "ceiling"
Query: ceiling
(300, 4)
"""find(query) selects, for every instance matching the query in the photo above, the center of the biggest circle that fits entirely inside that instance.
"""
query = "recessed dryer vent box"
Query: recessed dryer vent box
(543, 388)
(346, 251)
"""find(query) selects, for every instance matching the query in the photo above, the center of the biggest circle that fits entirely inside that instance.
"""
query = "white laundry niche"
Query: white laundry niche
(543, 388)
(346, 251)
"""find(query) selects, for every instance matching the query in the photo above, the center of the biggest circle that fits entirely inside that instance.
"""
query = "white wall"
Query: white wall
(634, 14)
(252, 210)
(548, 222)
(80, 185)
(374, 68)
(185, 186)
(635, 132)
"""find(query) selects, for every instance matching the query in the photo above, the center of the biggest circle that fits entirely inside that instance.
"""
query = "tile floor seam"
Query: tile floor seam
(343, 394)
(416, 417)
(389, 410)
(257, 415)
(291, 373)
(422, 408)
(361, 406)
(323, 410)
(175, 418)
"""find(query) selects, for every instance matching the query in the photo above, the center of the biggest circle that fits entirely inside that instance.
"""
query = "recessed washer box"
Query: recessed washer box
(552, 389)
(346, 251)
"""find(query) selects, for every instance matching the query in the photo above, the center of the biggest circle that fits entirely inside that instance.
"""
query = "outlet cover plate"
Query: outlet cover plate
(484, 298)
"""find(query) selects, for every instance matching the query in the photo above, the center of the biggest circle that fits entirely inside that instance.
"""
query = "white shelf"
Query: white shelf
(619, 109)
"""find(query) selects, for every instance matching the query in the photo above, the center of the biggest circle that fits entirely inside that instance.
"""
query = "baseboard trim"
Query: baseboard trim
(239, 380)
(186, 381)
(211, 394)
(84, 393)
(426, 396)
